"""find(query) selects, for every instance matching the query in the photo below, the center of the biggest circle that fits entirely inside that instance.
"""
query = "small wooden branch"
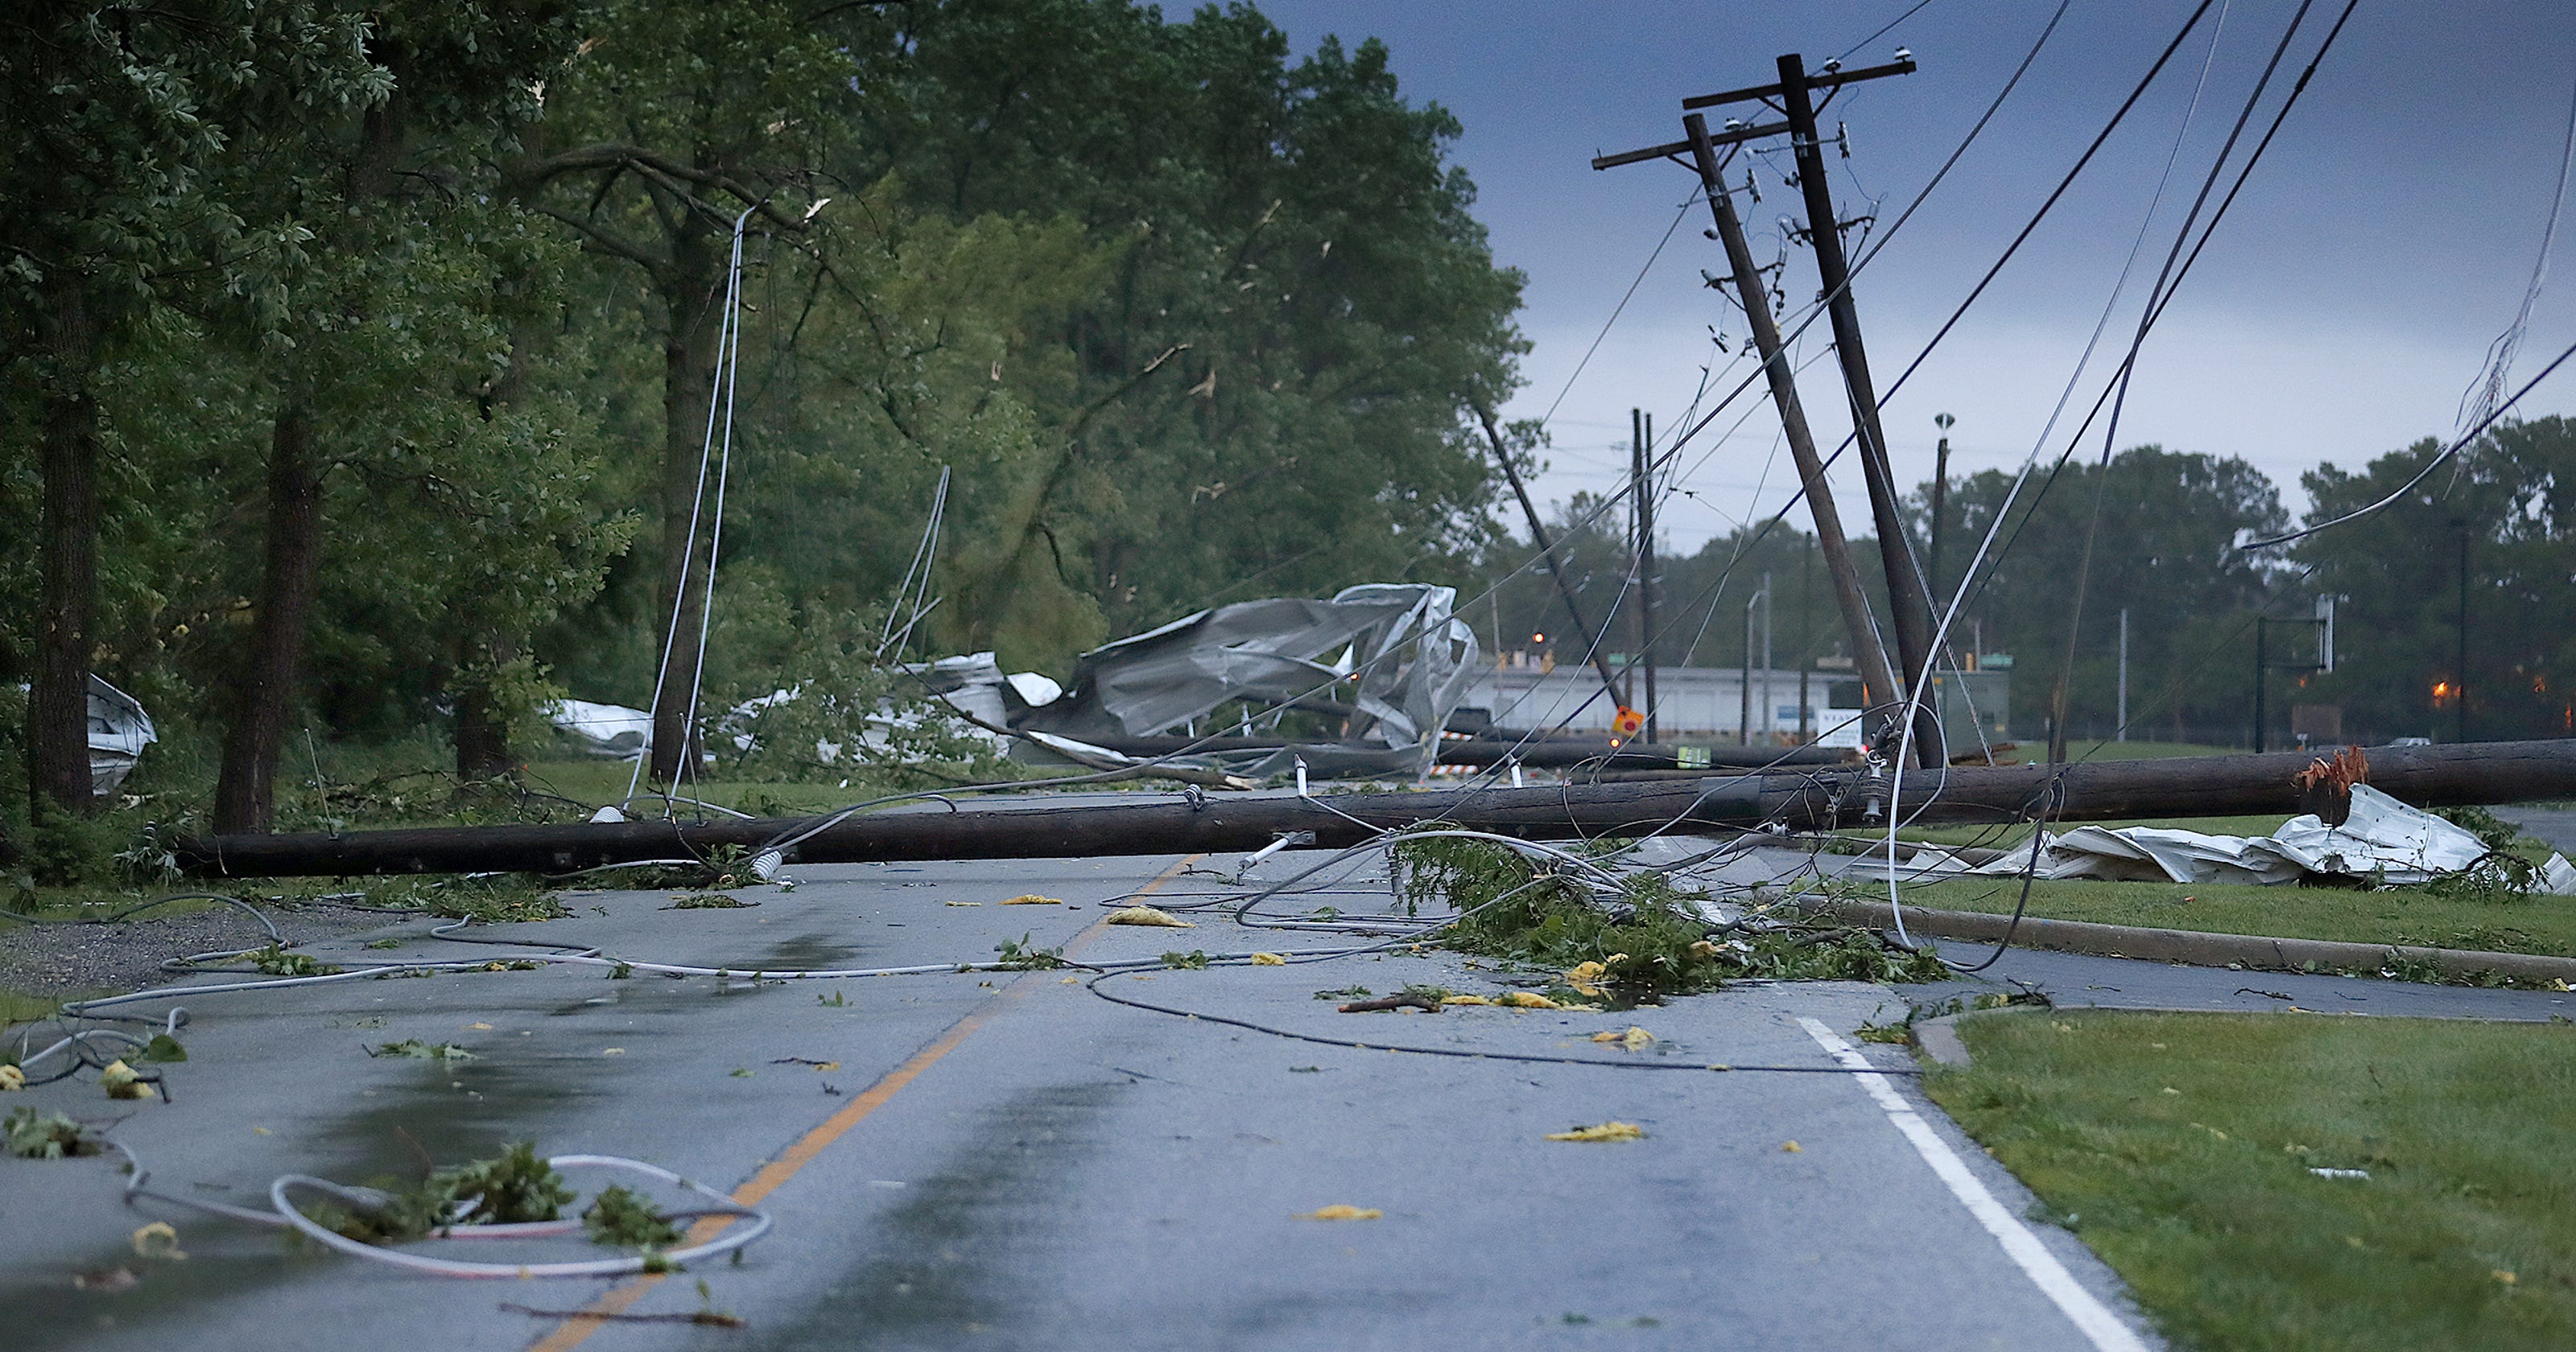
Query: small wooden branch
(709, 1318)
(1384, 1003)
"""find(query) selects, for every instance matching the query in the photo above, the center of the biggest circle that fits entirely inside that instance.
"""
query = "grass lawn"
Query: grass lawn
(600, 780)
(2539, 924)
(2006, 835)
(2180, 1147)
(2102, 751)
(17, 1007)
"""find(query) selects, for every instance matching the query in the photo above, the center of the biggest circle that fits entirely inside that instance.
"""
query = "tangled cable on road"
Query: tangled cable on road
(284, 1214)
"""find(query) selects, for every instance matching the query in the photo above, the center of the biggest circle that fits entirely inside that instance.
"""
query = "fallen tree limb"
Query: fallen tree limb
(1386, 1003)
(1820, 799)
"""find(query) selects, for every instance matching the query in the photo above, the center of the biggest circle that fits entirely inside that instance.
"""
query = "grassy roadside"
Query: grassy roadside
(599, 780)
(2006, 836)
(2180, 1145)
(2416, 916)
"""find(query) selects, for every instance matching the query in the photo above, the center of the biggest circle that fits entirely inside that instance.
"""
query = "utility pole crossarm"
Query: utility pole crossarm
(1830, 79)
(1670, 149)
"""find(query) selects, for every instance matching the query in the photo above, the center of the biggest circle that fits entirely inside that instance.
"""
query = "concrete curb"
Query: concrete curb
(1939, 1039)
(2198, 949)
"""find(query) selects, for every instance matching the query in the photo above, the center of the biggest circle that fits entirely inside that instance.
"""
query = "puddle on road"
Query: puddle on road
(504, 1098)
(959, 1255)
(43, 1309)
(810, 952)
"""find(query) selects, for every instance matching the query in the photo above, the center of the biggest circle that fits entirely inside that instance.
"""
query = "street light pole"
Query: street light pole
(2259, 626)
(2460, 682)
(2122, 732)
(1940, 505)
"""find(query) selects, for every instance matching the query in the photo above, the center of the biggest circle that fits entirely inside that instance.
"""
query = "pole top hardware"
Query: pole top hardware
(1829, 78)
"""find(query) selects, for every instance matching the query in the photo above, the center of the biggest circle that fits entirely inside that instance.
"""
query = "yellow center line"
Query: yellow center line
(771, 1176)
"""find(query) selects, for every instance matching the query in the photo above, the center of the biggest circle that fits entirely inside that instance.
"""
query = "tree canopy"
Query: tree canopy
(361, 356)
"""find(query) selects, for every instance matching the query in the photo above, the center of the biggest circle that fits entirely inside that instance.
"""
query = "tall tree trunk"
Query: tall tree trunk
(482, 725)
(58, 696)
(482, 735)
(693, 293)
(245, 792)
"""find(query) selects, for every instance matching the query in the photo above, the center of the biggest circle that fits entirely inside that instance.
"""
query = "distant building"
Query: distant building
(1708, 702)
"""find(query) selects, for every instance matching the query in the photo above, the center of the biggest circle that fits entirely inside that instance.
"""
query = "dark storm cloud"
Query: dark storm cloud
(2349, 297)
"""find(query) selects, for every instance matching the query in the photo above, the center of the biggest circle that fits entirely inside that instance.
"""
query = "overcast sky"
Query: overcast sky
(2349, 298)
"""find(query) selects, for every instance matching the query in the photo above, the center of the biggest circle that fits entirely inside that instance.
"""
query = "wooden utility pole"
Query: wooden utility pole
(1547, 551)
(1641, 478)
(1908, 597)
(1804, 798)
(1869, 657)
(1909, 602)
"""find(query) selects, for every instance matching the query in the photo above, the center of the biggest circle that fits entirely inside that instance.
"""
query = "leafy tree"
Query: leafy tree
(375, 365)
(115, 120)
(2510, 499)
(675, 120)
(2163, 548)
(324, 313)
(1291, 233)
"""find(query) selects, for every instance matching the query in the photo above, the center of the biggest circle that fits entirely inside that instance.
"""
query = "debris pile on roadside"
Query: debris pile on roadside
(2380, 840)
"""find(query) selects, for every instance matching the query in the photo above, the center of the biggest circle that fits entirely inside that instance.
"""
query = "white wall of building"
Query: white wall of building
(1688, 700)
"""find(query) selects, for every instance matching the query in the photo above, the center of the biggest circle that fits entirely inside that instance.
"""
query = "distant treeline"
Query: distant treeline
(2165, 550)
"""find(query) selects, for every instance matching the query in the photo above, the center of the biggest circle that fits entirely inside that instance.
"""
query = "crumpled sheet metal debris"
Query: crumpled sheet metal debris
(1411, 656)
(119, 729)
(603, 729)
(976, 685)
(2381, 837)
(973, 684)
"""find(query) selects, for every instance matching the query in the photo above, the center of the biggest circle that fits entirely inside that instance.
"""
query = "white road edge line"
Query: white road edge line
(2106, 1330)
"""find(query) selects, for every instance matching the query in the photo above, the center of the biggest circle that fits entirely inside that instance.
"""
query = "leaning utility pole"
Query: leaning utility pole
(1547, 551)
(1641, 434)
(1869, 657)
(1909, 602)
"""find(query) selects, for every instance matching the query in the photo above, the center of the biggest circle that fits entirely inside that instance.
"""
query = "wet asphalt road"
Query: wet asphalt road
(1014, 1162)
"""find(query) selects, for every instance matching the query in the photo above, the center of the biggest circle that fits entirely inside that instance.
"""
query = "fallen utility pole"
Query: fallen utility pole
(1593, 638)
(1536, 753)
(1800, 800)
